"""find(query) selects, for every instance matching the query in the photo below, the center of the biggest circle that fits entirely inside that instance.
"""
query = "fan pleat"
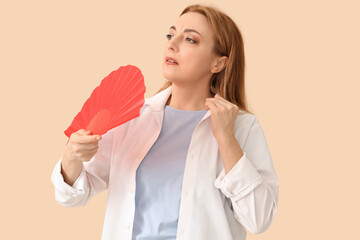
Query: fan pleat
(131, 79)
(121, 94)
(131, 94)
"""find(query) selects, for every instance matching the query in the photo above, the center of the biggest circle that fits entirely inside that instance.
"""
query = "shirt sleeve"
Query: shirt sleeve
(93, 179)
(252, 184)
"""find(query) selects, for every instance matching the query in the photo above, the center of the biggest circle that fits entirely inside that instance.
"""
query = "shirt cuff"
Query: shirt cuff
(240, 180)
(78, 187)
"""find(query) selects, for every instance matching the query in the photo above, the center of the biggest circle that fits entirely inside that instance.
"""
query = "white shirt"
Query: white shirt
(214, 206)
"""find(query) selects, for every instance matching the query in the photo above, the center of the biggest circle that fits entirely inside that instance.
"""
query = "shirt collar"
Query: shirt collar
(158, 101)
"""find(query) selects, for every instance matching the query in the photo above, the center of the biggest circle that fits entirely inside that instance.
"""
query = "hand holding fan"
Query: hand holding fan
(117, 99)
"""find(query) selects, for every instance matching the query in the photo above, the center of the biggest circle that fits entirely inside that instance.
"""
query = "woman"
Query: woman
(195, 164)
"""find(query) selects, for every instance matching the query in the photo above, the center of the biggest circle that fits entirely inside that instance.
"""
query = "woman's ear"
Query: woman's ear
(219, 64)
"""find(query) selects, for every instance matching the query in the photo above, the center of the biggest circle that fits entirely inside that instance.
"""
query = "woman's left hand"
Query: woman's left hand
(223, 116)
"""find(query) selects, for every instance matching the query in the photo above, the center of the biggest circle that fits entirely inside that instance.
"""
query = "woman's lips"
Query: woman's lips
(172, 62)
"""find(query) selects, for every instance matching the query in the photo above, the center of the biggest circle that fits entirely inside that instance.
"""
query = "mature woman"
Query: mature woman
(195, 164)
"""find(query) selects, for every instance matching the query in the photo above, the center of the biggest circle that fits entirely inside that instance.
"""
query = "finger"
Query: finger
(210, 104)
(221, 99)
(86, 139)
(221, 103)
(85, 132)
(218, 97)
(82, 131)
(215, 102)
(226, 102)
(86, 147)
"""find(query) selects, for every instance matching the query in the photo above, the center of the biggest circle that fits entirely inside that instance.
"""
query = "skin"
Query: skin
(197, 62)
(81, 147)
(190, 81)
(190, 91)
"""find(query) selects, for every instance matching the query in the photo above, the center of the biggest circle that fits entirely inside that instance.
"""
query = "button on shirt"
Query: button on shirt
(160, 174)
(213, 206)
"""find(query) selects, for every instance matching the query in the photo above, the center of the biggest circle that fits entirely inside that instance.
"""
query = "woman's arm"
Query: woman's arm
(93, 177)
(230, 152)
(251, 182)
(70, 169)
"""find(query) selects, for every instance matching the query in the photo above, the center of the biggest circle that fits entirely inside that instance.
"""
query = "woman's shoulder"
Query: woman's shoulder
(243, 123)
(245, 117)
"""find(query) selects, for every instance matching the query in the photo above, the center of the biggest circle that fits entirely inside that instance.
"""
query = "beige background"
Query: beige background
(302, 83)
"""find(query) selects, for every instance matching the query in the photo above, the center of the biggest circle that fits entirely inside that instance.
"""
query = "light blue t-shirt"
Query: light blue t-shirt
(159, 177)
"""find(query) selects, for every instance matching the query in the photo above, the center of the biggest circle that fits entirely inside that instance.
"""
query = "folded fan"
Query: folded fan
(117, 99)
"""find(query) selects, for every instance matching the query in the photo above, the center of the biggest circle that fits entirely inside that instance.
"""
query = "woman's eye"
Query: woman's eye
(169, 36)
(191, 40)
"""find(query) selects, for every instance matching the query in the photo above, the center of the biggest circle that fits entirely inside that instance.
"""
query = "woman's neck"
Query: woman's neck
(189, 102)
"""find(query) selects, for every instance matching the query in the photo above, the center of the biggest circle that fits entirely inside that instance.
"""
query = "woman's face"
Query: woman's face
(190, 42)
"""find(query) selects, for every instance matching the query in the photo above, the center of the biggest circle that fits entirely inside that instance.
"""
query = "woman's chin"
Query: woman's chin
(173, 76)
(169, 75)
(170, 78)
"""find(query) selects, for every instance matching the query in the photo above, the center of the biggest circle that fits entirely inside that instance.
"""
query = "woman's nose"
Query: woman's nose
(172, 44)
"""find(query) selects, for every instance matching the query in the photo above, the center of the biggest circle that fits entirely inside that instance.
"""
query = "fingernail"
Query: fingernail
(97, 138)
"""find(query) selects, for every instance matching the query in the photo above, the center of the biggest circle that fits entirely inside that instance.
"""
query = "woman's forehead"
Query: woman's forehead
(195, 21)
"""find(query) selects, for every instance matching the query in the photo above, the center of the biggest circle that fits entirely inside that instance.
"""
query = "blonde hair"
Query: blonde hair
(230, 82)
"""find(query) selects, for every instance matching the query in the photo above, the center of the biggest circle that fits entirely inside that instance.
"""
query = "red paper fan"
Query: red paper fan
(117, 99)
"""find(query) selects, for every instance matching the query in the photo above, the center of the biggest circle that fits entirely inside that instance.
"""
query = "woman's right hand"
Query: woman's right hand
(81, 146)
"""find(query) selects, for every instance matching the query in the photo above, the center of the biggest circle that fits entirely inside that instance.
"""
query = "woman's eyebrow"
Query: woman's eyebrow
(186, 30)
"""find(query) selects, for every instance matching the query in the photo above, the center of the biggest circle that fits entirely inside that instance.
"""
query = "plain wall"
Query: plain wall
(302, 82)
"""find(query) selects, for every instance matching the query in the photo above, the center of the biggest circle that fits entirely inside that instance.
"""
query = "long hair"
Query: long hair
(230, 82)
